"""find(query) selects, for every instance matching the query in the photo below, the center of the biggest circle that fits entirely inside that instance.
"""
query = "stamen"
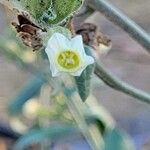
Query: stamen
(68, 59)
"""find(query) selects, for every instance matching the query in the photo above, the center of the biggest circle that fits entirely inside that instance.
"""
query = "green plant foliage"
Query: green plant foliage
(90, 117)
(49, 11)
(97, 114)
(69, 6)
(31, 89)
(84, 81)
(117, 140)
(52, 133)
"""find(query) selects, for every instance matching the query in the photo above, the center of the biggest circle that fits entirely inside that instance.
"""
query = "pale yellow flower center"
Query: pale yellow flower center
(68, 59)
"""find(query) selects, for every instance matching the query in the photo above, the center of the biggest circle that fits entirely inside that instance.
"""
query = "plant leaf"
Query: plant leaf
(83, 82)
(117, 140)
(31, 89)
(52, 133)
(49, 11)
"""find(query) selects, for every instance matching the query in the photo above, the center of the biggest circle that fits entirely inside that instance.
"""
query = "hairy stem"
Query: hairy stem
(81, 122)
(124, 22)
(117, 84)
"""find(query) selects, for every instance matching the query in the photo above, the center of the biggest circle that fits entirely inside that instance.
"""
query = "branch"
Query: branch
(124, 22)
(119, 85)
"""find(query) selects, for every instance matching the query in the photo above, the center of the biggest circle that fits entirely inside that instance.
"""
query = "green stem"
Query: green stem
(119, 85)
(124, 22)
(80, 119)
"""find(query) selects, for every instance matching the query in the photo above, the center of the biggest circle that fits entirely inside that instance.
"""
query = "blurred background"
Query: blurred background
(127, 60)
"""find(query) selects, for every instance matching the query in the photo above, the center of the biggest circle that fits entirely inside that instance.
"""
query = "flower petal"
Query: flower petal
(77, 73)
(88, 61)
(55, 72)
(53, 68)
(77, 44)
(58, 42)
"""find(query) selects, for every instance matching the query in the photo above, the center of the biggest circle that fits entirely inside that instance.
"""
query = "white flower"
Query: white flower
(67, 55)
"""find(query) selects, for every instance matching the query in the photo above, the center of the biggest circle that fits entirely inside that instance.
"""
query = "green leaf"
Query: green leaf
(83, 82)
(52, 133)
(29, 90)
(118, 140)
(49, 11)
(64, 9)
